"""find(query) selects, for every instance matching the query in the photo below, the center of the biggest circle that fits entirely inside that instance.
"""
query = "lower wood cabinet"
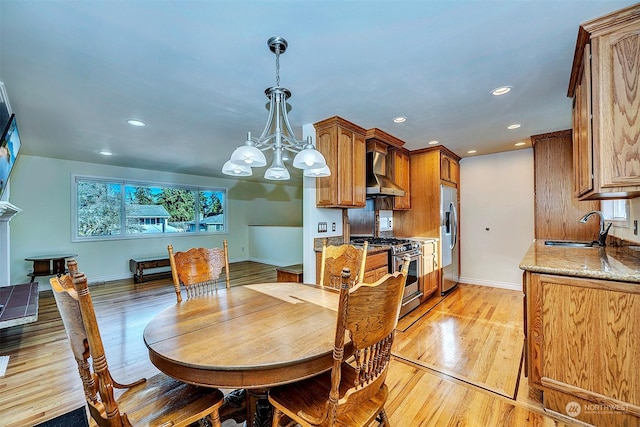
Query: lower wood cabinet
(430, 272)
(376, 266)
(582, 344)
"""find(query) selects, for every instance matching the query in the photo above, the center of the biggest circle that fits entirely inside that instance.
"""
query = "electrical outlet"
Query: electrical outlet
(635, 227)
(333, 226)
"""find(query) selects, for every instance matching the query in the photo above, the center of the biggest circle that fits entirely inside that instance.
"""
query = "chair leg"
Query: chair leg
(211, 420)
(277, 416)
(384, 421)
(215, 419)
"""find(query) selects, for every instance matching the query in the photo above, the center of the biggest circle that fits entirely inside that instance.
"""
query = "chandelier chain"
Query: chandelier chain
(277, 66)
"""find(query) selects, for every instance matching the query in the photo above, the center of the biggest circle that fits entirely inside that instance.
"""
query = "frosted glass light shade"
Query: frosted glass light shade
(248, 155)
(236, 170)
(277, 173)
(317, 173)
(309, 158)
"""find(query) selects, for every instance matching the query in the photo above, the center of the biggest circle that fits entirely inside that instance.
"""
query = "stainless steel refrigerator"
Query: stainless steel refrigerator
(449, 238)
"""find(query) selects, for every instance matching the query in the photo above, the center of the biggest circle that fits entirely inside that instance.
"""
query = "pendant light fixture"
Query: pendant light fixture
(277, 136)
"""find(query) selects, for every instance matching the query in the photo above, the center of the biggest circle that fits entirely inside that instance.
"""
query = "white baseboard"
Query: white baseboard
(277, 263)
(492, 283)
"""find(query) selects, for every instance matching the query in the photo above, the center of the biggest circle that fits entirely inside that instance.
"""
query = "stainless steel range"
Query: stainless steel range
(398, 248)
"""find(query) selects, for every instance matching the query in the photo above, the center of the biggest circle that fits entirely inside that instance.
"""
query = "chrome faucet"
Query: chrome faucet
(602, 237)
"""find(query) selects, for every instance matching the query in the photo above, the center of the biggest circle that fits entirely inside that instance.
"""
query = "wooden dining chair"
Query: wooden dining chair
(335, 257)
(199, 270)
(157, 401)
(354, 392)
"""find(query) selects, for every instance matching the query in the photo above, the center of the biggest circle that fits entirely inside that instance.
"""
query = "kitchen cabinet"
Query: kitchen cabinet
(423, 219)
(448, 169)
(343, 145)
(582, 342)
(375, 267)
(430, 280)
(399, 170)
(606, 107)
(556, 211)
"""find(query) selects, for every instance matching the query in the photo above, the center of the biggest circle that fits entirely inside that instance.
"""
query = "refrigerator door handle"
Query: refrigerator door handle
(454, 225)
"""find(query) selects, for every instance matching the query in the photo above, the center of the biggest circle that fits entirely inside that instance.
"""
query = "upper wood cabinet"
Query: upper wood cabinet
(448, 169)
(556, 210)
(343, 145)
(423, 219)
(400, 170)
(605, 89)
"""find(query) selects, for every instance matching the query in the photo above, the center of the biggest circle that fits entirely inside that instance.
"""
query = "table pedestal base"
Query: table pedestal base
(259, 410)
(251, 406)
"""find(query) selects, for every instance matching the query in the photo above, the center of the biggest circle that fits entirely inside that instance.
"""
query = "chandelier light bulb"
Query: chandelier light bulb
(277, 174)
(230, 168)
(317, 173)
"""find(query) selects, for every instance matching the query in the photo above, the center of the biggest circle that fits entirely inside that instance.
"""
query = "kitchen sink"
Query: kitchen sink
(573, 244)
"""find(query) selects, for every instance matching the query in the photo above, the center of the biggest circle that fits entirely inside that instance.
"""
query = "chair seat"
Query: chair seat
(161, 401)
(310, 396)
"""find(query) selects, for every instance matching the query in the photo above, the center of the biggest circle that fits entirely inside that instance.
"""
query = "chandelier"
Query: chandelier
(277, 136)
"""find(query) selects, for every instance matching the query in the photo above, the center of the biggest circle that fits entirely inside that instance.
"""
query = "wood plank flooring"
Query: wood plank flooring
(426, 388)
(475, 334)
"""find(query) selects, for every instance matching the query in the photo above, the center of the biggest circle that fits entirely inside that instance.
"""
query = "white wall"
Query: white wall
(262, 239)
(42, 188)
(496, 217)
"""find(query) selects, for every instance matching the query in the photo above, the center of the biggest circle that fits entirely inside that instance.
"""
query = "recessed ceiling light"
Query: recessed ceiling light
(434, 142)
(471, 152)
(399, 120)
(138, 123)
(513, 126)
(106, 153)
(501, 90)
(520, 144)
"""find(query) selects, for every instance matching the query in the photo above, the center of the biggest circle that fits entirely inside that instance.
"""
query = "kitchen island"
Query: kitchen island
(582, 331)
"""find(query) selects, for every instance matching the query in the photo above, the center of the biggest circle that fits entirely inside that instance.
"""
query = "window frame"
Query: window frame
(608, 208)
(124, 183)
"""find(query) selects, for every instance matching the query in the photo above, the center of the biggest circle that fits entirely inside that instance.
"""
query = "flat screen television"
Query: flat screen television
(9, 148)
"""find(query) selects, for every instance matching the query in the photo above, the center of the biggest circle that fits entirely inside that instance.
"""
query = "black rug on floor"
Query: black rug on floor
(76, 418)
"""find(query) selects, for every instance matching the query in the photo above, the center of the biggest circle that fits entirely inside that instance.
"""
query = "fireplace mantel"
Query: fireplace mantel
(8, 211)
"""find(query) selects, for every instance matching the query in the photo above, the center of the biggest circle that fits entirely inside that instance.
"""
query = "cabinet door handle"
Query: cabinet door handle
(415, 297)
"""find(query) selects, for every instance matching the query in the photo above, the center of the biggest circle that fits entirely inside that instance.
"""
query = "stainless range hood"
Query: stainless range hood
(378, 183)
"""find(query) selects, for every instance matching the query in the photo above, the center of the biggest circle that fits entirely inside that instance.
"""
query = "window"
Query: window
(616, 211)
(115, 209)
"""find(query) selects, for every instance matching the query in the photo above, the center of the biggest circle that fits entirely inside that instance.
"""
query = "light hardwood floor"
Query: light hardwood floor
(457, 360)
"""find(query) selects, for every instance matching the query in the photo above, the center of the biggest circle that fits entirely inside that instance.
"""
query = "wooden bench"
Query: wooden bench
(157, 264)
(290, 273)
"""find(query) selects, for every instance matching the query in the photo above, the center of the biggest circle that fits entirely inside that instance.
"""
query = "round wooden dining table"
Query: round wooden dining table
(247, 337)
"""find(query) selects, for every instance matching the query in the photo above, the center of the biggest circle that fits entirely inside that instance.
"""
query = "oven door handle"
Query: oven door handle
(416, 296)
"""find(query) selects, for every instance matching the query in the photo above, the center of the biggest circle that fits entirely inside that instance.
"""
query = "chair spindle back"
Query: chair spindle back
(198, 270)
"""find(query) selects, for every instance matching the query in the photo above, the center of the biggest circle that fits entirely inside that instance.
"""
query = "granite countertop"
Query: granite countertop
(337, 240)
(609, 263)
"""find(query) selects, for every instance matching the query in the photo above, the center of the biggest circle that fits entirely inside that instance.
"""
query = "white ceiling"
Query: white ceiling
(195, 72)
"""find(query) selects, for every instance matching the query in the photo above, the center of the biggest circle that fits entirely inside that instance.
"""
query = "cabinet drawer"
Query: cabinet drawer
(377, 260)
